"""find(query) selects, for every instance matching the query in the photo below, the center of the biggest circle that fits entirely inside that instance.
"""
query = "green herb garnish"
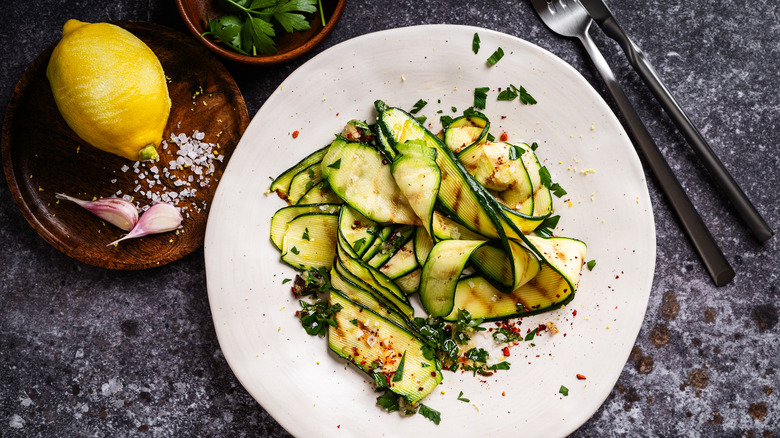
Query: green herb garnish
(591, 265)
(530, 335)
(534, 146)
(430, 414)
(463, 399)
(504, 336)
(306, 234)
(547, 226)
(358, 244)
(511, 92)
(480, 97)
(507, 94)
(525, 98)
(496, 56)
(515, 152)
(294, 250)
(475, 43)
(557, 190)
(250, 29)
(418, 106)
(564, 390)
(336, 164)
(318, 316)
(545, 176)
(354, 321)
(499, 366)
(399, 372)
(388, 401)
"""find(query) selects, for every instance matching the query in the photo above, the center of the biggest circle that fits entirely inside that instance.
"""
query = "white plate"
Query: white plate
(311, 392)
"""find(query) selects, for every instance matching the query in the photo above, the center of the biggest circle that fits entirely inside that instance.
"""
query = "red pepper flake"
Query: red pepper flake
(504, 136)
(574, 312)
(433, 373)
(503, 394)
(580, 376)
(505, 350)
(295, 134)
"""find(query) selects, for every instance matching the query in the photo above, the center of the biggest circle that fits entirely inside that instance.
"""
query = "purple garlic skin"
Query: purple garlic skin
(159, 218)
(115, 211)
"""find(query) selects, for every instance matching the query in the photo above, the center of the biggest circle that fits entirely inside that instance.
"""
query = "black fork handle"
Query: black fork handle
(715, 262)
(746, 210)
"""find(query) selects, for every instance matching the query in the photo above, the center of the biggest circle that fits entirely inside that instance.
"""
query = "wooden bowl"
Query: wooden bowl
(289, 45)
(42, 156)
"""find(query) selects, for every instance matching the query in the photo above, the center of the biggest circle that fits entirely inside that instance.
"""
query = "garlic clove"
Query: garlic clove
(115, 211)
(159, 218)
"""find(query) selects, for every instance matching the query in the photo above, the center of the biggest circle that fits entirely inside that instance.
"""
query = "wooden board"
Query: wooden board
(42, 156)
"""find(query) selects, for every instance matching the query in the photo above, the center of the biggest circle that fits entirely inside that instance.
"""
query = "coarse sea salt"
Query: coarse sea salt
(189, 169)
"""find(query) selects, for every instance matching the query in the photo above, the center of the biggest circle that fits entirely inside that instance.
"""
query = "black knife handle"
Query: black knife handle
(746, 210)
(717, 266)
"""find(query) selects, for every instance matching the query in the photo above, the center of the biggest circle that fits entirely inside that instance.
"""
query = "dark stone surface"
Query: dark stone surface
(85, 351)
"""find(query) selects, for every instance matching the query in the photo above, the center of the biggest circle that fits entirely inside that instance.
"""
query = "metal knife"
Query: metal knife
(601, 14)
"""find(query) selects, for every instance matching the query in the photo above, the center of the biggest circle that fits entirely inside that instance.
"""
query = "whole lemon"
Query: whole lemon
(110, 88)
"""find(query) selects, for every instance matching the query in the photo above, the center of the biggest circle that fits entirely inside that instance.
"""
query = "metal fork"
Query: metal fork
(569, 18)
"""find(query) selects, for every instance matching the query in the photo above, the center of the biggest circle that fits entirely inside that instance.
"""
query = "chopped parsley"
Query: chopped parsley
(454, 109)
(547, 226)
(312, 282)
(306, 234)
(421, 119)
(480, 97)
(477, 355)
(564, 390)
(591, 265)
(525, 98)
(418, 106)
(399, 372)
(430, 414)
(388, 401)
(511, 92)
(496, 56)
(286, 280)
(445, 120)
(534, 146)
(336, 164)
(515, 152)
(545, 176)
(294, 250)
(475, 43)
(557, 190)
(463, 399)
(499, 366)
(530, 335)
(466, 326)
(504, 336)
(507, 94)
(358, 244)
(354, 321)
(316, 317)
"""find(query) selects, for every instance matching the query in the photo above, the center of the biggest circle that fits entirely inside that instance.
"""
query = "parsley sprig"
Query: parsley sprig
(251, 26)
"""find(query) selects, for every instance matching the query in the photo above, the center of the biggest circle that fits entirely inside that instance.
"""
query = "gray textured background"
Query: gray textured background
(86, 351)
